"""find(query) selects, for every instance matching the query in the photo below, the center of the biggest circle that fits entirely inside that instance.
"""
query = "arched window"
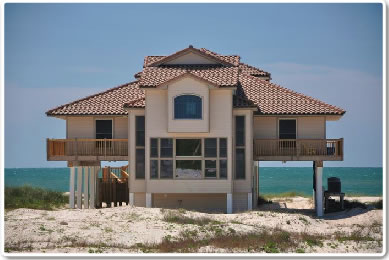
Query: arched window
(187, 107)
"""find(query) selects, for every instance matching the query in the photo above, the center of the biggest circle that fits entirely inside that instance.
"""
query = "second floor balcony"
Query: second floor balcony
(87, 149)
(298, 149)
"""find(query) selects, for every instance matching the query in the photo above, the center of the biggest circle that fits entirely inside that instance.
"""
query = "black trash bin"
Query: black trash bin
(334, 185)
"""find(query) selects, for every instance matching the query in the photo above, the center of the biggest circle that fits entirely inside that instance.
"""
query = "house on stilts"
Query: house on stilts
(194, 127)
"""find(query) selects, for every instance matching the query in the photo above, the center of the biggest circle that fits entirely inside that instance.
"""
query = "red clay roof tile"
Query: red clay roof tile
(252, 91)
(109, 102)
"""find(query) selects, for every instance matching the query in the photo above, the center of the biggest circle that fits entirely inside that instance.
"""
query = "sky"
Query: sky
(57, 53)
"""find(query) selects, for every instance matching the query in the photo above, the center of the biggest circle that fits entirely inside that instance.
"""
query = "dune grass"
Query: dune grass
(288, 194)
(33, 198)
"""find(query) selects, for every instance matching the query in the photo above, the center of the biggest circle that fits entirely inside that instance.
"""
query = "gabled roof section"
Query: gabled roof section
(109, 102)
(152, 77)
(253, 71)
(272, 99)
(153, 61)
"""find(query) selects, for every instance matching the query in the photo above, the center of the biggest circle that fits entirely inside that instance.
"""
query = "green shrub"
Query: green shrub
(33, 198)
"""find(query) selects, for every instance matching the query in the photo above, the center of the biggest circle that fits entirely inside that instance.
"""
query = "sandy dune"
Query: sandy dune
(121, 229)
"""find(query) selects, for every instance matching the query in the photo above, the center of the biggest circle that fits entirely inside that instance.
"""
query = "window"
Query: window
(154, 169)
(103, 129)
(140, 163)
(166, 147)
(223, 169)
(166, 169)
(188, 169)
(239, 130)
(223, 147)
(178, 158)
(187, 107)
(154, 147)
(188, 147)
(210, 147)
(240, 170)
(210, 169)
(240, 164)
(140, 147)
(140, 130)
(287, 128)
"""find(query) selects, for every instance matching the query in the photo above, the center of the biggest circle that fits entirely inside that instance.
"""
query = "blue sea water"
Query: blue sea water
(364, 181)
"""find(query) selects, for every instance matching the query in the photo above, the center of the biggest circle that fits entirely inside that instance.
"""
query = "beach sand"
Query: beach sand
(121, 229)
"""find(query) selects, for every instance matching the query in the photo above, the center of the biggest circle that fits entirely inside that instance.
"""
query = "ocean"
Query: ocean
(362, 181)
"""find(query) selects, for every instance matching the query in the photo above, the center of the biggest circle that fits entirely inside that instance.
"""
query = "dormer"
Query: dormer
(186, 78)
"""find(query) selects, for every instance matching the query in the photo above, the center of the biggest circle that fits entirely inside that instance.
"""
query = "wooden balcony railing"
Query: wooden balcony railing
(77, 149)
(298, 149)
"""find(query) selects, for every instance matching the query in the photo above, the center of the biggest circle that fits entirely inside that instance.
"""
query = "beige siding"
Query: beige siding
(120, 128)
(246, 184)
(308, 127)
(200, 201)
(140, 199)
(134, 184)
(265, 127)
(311, 127)
(80, 127)
(190, 186)
(191, 58)
(157, 114)
(188, 85)
(239, 202)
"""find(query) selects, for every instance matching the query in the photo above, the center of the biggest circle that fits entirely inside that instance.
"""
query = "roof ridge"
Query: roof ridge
(293, 92)
(91, 96)
(191, 48)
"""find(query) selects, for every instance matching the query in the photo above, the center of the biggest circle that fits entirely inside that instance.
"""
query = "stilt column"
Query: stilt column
(249, 201)
(132, 200)
(319, 188)
(71, 188)
(229, 203)
(79, 187)
(148, 200)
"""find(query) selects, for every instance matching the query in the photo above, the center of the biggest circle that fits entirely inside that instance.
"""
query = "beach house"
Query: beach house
(194, 127)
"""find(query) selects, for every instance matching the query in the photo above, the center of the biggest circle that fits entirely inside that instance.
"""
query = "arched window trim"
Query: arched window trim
(188, 94)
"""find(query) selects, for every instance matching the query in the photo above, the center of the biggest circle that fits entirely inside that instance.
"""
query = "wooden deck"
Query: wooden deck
(298, 149)
(87, 149)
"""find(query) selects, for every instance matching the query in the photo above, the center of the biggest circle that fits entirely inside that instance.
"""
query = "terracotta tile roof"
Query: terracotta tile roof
(109, 102)
(220, 76)
(252, 90)
(138, 103)
(232, 60)
(272, 99)
(247, 69)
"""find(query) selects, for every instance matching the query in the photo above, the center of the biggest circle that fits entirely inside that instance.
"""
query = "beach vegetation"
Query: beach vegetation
(175, 217)
(288, 194)
(262, 200)
(268, 241)
(33, 198)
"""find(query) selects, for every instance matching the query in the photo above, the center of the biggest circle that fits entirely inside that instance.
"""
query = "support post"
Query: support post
(71, 188)
(97, 185)
(92, 183)
(86, 188)
(132, 199)
(229, 203)
(148, 200)
(249, 201)
(79, 187)
(319, 188)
